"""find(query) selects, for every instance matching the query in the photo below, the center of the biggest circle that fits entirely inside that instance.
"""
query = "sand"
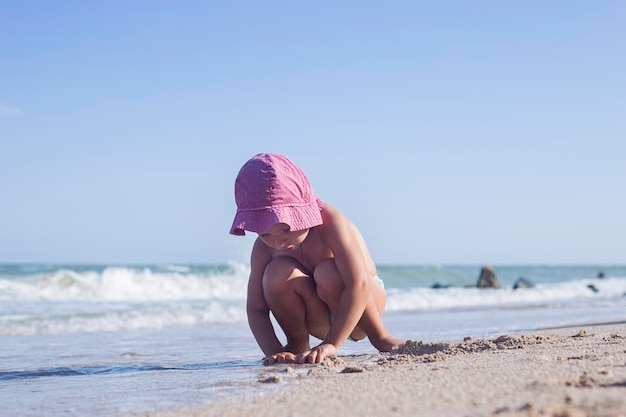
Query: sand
(567, 372)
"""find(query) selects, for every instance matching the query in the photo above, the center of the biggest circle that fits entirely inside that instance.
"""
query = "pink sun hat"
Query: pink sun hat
(271, 189)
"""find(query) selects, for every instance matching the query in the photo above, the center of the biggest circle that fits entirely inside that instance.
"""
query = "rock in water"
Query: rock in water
(488, 278)
(522, 283)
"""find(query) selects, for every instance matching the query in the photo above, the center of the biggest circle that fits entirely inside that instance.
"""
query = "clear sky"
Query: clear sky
(449, 131)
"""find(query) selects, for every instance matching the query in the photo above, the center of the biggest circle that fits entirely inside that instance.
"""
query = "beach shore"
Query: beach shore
(570, 371)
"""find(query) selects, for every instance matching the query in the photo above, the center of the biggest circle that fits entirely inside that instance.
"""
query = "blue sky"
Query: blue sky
(450, 132)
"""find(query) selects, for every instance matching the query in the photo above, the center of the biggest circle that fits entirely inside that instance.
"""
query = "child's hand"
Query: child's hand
(317, 354)
(282, 357)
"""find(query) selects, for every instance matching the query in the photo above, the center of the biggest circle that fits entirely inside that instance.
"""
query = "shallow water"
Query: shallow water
(113, 373)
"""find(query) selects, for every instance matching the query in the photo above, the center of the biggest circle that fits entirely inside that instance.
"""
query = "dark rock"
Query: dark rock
(352, 369)
(522, 283)
(488, 278)
(270, 380)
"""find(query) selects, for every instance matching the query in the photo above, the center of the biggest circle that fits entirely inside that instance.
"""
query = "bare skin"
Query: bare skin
(301, 276)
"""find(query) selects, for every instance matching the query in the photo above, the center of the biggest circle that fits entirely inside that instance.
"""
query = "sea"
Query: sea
(114, 340)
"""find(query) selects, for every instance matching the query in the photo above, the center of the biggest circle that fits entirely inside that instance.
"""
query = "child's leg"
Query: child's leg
(330, 287)
(291, 296)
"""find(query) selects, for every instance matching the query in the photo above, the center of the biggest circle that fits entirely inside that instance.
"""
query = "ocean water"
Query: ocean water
(110, 340)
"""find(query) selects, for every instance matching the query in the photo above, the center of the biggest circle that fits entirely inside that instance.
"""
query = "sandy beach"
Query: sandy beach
(572, 371)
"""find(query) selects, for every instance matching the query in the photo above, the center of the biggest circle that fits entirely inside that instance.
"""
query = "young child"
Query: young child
(309, 266)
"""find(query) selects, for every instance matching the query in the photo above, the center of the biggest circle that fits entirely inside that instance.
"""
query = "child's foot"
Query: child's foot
(387, 343)
(298, 347)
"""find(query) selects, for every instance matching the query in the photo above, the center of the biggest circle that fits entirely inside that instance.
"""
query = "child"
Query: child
(309, 266)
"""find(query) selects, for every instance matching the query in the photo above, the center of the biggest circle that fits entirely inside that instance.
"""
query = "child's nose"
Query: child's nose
(282, 242)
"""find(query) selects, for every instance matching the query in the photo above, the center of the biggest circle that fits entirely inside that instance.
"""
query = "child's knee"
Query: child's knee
(327, 279)
(278, 273)
(325, 270)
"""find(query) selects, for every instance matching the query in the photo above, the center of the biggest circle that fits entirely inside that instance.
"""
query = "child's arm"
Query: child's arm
(337, 231)
(257, 309)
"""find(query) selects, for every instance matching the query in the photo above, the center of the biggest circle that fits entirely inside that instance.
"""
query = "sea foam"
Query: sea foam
(125, 284)
(115, 298)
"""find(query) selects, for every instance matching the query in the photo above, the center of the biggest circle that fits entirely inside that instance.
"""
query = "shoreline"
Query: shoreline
(574, 371)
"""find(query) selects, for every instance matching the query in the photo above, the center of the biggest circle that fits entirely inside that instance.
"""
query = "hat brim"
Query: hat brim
(297, 217)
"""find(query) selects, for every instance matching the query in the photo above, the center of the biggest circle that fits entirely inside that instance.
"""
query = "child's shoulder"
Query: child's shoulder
(260, 249)
(331, 214)
(336, 222)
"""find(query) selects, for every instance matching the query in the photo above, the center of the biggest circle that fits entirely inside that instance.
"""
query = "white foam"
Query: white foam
(124, 284)
(119, 298)
(123, 317)
(122, 298)
(428, 298)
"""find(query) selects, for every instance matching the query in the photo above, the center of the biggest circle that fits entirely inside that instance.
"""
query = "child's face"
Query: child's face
(281, 237)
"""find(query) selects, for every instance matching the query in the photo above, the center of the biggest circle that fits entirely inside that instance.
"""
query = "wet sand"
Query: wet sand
(573, 371)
